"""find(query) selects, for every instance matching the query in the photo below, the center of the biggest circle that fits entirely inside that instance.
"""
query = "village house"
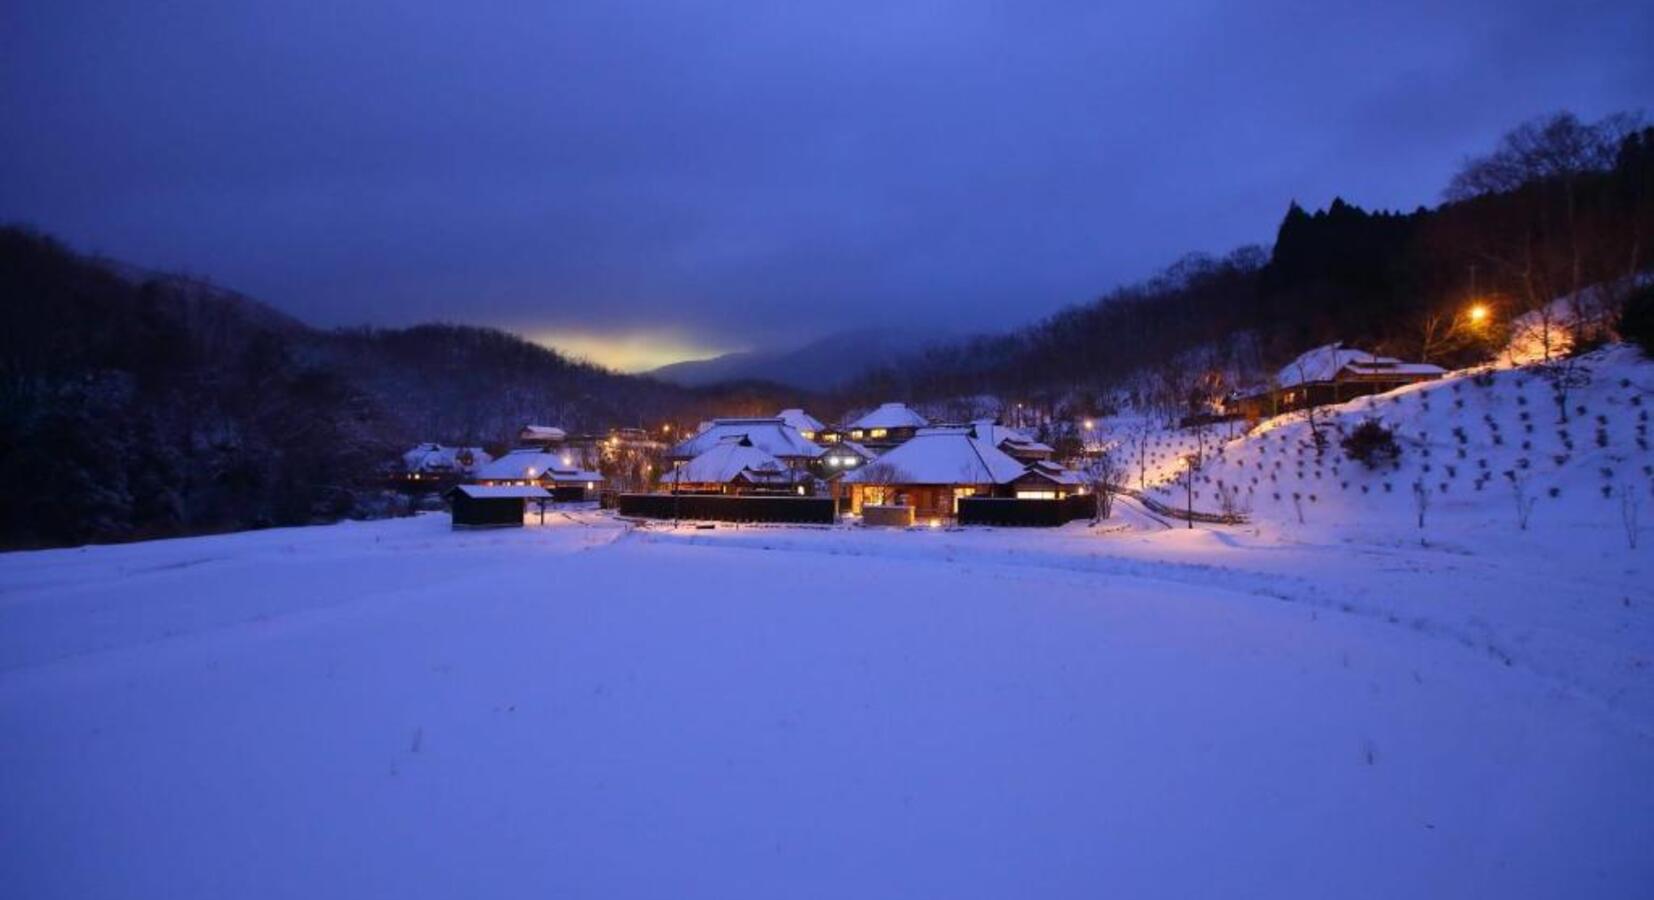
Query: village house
(1330, 374)
(542, 436)
(438, 463)
(842, 457)
(773, 436)
(1016, 443)
(808, 426)
(931, 472)
(555, 471)
(735, 466)
(885, 427)
(1046, 480)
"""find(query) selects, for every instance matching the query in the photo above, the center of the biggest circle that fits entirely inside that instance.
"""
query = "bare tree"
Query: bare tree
(1103, 476)
(1233, 502)
(1524, 503)
(1630, 502)
(1421, 504)
(1554, 247)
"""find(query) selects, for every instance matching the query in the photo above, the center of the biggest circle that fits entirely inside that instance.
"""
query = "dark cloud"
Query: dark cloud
(744, 172)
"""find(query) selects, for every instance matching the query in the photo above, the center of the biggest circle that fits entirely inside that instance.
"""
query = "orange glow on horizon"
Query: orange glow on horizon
(631, 353)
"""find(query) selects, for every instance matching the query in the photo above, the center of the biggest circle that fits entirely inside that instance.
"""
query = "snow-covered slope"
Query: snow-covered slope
(1470, 441)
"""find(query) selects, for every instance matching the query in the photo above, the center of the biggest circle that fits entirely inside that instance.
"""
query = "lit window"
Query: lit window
(808, 435)
(856, 433)
(1036, 495)
(877, 433)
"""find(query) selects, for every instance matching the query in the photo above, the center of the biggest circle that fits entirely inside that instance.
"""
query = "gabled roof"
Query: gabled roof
(525, 464)
(728, 460)
(773, 436)
(437, 458)
(800, 420)
(860, 450)
(571, 476)
(1000, 435)
(1324, 364)
(498, 492)
(941, 456)
(891, 415)
(541, 433)
(1054, 473)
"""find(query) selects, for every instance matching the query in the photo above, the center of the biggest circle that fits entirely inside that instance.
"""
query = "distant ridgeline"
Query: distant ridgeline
(136, 405)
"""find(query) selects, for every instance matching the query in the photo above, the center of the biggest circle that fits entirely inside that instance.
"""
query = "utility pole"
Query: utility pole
(1189, 488)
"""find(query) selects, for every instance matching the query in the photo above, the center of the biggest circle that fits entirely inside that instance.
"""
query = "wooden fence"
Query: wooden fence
(1026, 513)
(728, 507)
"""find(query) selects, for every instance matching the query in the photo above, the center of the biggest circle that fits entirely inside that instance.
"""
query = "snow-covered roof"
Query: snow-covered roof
(773, 436)
(523, 465)
(801, 420)
(438, 458)
(941, 456)
(1055, 473)
(496, 492)
(541, 433)
(571, 476)
(1324, 364)
(891, 415)
(999, 435)
(728, 460)
(860, 450)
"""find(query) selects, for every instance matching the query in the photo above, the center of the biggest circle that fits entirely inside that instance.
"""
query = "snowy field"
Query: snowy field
(583, 709)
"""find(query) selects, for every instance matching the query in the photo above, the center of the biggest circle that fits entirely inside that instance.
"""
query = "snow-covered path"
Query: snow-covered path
(391, 709)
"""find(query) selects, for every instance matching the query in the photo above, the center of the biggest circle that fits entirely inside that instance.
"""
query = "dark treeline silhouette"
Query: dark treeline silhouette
(1558, 207)
(134, 405)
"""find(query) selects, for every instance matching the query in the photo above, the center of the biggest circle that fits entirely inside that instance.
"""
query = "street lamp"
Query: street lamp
(1479, 313)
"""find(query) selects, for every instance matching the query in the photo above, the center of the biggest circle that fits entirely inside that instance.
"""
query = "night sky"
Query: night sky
(648, 182)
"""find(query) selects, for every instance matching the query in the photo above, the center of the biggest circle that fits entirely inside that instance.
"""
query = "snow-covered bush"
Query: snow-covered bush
(1372, 445)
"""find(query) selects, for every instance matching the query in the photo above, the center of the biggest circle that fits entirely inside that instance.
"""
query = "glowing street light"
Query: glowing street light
(1479, 313)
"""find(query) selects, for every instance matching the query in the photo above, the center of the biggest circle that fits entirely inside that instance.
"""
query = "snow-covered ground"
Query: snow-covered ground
(584, 709)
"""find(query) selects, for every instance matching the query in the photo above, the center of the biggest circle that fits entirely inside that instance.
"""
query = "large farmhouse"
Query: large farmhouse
(1331, 374)
(735, 466)
(931, 472)
(773, 436)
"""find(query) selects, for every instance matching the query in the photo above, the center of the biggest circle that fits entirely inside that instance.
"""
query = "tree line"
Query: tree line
(135, 405)
(1559, 210)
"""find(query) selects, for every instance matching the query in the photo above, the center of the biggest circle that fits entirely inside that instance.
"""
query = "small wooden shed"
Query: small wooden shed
(492, 506)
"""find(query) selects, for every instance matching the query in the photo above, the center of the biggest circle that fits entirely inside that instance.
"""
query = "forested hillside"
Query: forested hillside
(135, 405)
(1558, 206)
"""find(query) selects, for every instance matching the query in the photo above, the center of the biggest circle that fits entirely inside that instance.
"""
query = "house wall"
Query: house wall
(929, 501)
(1319, 393)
